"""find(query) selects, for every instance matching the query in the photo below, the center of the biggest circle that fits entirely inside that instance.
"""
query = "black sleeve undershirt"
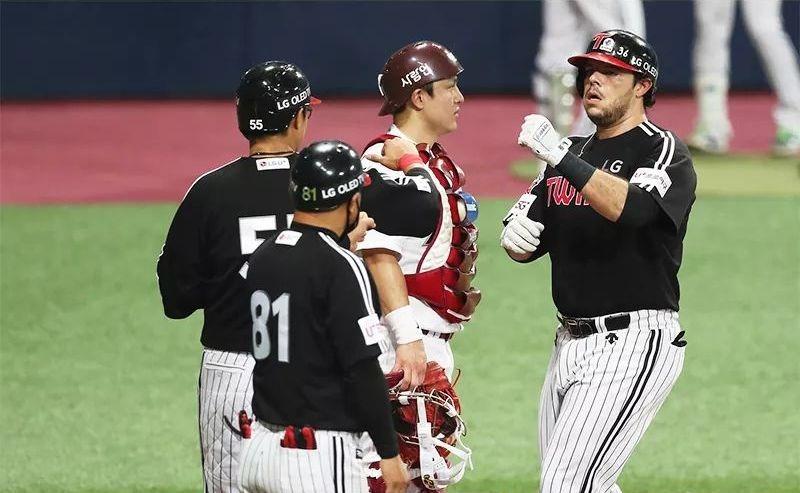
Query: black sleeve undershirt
(575, 170)
(367, 392)
(640, 208)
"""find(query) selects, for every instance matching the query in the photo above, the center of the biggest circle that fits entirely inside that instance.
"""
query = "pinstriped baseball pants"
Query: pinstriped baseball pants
(599, 396)
(225, 387)
(334, 467)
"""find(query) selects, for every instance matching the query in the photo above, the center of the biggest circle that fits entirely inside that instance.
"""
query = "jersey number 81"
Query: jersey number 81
(260, 310)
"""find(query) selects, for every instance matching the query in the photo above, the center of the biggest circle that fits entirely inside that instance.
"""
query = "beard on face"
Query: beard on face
(610, 115)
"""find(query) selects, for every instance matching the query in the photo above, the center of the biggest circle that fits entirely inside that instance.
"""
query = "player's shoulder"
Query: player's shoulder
(659, 137)
(338, 259)
(369, 165)
(288, 249)
(214, 176)
(578, 141)
(373, 147)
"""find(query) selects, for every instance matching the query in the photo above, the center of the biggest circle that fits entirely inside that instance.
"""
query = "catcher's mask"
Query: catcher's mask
(428, 422)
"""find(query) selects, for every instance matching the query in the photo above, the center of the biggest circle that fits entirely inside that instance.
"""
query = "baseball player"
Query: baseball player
(762, 18)
(224, 216)
(567, 25)
(316, 337)
(422, 252)
(611, 210)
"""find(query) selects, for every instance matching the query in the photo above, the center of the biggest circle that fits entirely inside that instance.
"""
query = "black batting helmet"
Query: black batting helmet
(325, 175)
(269, 96)
(624, 50)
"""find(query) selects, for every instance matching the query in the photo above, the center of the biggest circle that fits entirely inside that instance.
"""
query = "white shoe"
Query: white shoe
(708, 142)
(787, 142)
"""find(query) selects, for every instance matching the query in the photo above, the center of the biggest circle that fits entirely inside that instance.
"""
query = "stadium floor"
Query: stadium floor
(98, 388)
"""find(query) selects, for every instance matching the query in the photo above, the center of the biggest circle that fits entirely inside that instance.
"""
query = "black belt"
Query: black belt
(583, 327)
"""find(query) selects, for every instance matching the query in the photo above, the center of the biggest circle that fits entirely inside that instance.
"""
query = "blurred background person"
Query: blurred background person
(762, 18)
(567, 26)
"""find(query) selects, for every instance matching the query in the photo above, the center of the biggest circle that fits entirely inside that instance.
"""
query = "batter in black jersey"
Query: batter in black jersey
(601, 267)
(316, 337)
(611, 211)
(223, 218)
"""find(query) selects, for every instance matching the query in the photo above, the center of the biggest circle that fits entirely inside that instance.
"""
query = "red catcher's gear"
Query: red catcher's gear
(447, 289)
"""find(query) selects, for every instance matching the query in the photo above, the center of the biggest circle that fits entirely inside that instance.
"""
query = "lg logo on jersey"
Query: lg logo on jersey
(615, 167)
(560, 192)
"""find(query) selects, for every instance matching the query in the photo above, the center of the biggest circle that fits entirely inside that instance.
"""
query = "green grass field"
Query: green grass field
(98, 388)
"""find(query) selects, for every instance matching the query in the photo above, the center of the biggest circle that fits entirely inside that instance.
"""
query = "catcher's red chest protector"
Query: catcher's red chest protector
(447, 288)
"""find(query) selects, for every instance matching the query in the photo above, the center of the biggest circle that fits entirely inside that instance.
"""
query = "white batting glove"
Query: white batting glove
(521, 235)
(538, 134)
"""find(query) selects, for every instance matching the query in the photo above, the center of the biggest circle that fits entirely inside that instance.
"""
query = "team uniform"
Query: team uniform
(425, 217)
(618, 349)
(417, 219)
(223, 218)
(316, 338)
(226, 214)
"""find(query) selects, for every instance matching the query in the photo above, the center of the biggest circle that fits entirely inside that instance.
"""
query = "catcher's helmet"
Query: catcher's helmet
(327, 173)
(412, 67)
(269, 96)
(624, 50)
(428, 422)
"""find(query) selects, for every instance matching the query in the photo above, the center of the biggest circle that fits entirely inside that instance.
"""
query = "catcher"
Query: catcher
(423, 250)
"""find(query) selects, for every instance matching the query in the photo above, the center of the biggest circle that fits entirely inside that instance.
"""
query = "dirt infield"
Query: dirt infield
(132, 151)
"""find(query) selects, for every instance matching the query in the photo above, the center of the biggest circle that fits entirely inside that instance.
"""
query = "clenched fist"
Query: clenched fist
(538, 134)
(521, 235)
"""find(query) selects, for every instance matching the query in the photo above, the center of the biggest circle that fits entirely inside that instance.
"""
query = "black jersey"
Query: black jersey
(314, 314)
(600, 267)
(223, 218)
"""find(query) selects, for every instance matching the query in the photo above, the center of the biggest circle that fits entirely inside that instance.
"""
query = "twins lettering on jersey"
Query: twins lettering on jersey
(560, 192)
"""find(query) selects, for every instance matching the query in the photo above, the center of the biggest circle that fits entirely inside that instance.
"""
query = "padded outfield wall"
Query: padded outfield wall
(166, 50)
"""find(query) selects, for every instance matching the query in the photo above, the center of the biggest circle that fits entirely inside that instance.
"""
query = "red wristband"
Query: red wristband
(408, 160)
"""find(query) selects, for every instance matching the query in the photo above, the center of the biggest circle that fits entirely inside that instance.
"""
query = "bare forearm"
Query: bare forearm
(389, 279)
(606, 194)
